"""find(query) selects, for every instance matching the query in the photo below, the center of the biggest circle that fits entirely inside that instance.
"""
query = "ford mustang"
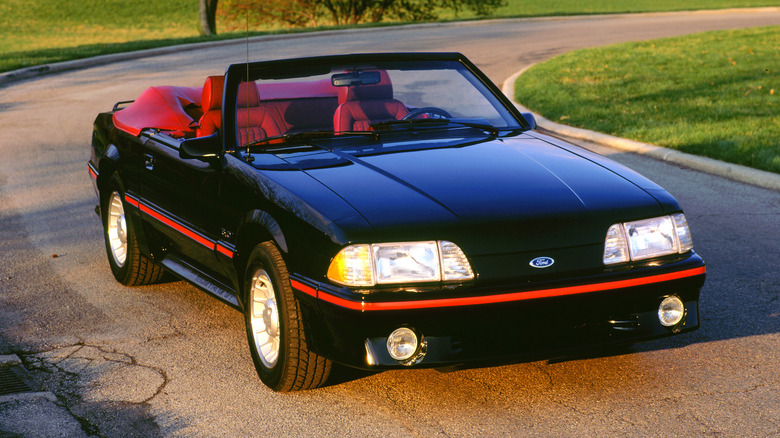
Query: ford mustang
(383, 211)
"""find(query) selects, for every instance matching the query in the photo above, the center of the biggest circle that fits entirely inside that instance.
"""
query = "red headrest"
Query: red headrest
(211, 99)
(248, 96)
(381, 91)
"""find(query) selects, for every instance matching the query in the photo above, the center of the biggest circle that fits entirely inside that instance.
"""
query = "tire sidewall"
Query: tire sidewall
(121, 273)
(260, 258)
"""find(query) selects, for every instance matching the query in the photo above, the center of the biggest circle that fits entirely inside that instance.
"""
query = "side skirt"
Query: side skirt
(202, 281)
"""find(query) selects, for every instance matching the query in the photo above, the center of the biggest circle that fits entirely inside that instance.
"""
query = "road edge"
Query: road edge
(736, 172)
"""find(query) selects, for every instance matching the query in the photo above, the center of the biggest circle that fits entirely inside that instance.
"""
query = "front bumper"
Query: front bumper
(511, 324)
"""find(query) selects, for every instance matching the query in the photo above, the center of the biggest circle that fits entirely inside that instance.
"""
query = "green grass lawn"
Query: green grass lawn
(715, 94)
(526, 8)
(42, 31)
(35, 32)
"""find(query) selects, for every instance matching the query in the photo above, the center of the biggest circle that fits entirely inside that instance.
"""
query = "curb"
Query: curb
(10, 359)
(736, 172)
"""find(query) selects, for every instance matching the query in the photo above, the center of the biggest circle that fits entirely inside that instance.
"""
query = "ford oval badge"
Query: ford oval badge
(542, 262)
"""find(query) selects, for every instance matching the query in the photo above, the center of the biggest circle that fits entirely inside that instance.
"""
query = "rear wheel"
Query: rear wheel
(128, 265)
(274, 325)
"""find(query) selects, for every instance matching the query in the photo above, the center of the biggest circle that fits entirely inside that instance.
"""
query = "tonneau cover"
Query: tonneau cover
(162, 107)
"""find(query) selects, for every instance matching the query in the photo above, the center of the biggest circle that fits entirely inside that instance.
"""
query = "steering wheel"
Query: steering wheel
(436, 113)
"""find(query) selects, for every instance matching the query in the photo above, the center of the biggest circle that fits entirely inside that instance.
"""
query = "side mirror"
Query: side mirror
(206, 149)
(530, 119)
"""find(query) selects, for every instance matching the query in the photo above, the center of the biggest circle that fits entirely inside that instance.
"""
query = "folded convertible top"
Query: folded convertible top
(167, 108)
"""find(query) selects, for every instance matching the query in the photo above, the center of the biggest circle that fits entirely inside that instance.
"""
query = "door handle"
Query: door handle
(149, 162)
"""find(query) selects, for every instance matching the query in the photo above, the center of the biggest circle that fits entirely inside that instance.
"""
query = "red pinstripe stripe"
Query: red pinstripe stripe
(176, 226)
(225, 250)
(303, 288)
(132, 201)
(492, 299)
(208, 243)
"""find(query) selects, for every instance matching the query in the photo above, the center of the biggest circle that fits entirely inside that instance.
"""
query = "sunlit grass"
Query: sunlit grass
(715, 94)
(44, 31)
(525, 8)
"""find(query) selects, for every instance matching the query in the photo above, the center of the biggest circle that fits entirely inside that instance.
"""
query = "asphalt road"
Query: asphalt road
(169, 360)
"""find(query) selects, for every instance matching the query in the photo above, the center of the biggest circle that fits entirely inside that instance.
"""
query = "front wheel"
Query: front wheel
(274, 326)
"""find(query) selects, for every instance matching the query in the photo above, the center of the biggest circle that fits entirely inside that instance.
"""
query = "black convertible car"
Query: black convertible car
(387, 211)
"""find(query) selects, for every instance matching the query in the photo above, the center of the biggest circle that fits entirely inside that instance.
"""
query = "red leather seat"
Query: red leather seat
(211, 102)
(362, 105)
(254, 122)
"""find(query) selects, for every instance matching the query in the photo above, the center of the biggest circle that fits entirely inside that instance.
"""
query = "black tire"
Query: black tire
(128, 265)
(274, 326)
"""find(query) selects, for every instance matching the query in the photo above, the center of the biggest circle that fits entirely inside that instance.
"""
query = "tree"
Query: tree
(208, 16)
(340, 12)
(356, 11)
(297, 13)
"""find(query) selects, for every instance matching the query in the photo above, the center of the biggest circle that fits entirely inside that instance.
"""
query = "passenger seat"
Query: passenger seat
(362, 105)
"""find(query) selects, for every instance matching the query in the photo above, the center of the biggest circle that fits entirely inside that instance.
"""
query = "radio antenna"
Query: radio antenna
(249, 158)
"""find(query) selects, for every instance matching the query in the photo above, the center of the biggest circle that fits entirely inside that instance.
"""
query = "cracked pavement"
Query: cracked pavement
(167, 360)
(103, 376)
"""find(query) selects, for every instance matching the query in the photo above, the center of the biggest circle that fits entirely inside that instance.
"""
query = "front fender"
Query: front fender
(256, 226)
(269, 226)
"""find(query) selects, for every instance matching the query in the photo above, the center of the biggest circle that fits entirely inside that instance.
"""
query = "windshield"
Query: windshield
(336, 98)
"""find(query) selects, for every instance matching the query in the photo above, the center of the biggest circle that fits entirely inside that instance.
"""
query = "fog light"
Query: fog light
(402, 344)
(671, 311)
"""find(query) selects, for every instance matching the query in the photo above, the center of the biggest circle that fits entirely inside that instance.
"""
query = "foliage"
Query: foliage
(715, 94)
(254, 13)
(340, 12)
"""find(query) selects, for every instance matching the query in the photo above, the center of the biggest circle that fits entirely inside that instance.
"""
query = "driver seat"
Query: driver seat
(254, 122)
(362, 105)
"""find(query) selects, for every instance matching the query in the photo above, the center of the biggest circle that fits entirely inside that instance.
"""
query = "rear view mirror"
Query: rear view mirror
(355, 78)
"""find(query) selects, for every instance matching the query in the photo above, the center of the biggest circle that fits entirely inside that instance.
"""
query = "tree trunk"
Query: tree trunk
(208, 16)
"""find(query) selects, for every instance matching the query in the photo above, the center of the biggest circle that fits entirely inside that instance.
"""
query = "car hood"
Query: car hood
(487, 195)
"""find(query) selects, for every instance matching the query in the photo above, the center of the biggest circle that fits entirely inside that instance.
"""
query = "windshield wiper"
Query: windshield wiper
(492, 130)
(296, 137)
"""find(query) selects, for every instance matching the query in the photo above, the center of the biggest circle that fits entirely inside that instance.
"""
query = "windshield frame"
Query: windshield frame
(322, 65)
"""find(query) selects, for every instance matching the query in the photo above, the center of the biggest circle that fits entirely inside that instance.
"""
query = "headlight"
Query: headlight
(647, 238)
(402, 262)
(683, 232)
